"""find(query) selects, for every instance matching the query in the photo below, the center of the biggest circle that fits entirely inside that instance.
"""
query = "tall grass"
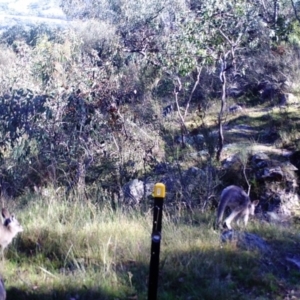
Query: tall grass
(80, 250)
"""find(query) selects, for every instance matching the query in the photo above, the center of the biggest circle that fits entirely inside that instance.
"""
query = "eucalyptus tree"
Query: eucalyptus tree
(139, 30)
(182, 42)
(230, 24)
(178, 39)
(212, 35)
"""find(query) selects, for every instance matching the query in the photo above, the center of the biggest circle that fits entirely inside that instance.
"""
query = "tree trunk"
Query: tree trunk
(222, 110)
(81, 179)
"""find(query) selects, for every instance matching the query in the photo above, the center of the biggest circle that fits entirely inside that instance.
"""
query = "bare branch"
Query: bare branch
(295, 11)
(199, 69)
(176, 90)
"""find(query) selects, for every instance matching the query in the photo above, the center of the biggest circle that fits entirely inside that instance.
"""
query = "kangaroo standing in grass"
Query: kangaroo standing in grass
(8, 230)
(239, 203)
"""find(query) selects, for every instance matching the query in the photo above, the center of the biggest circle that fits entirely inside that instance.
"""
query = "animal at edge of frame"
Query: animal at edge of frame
(8, 229)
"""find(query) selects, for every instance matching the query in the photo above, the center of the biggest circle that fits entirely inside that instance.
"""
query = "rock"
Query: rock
(275, 174)
(267, 169)
(275, 218)
(184, 187)
(233, 109)
(232, 162)
(291, 99)
(276, 183)
(295, 160)
(135, 190)
(259, 157)
(235, 92)
(192, 140)
(245, 240)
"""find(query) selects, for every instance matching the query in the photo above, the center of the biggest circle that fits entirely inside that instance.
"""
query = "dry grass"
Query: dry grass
(75, 249)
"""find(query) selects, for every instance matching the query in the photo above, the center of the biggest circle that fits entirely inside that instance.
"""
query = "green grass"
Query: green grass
(79, 250)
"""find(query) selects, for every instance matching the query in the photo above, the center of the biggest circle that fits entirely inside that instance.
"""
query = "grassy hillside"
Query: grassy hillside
(142, 90)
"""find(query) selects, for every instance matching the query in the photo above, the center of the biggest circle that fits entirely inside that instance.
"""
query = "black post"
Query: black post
(158, 194)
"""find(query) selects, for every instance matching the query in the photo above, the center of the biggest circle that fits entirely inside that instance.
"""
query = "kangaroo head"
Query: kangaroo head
(252, 206)
(11, 222)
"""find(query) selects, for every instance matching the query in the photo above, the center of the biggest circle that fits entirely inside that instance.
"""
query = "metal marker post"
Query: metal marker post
(159, 194)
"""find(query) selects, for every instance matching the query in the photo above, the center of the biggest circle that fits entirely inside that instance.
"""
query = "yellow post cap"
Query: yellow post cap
(159, 190)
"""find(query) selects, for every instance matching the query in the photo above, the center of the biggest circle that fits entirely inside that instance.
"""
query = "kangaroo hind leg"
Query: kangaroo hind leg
(231, 217)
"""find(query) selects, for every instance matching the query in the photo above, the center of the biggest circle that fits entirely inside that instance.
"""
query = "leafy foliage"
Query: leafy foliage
(85, 104)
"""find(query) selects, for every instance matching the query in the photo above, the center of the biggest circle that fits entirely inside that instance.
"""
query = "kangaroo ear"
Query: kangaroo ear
(255, 202)
(5, 213)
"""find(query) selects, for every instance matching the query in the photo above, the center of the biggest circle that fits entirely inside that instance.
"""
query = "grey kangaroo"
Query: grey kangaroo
(239, 203)
(8, 230)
